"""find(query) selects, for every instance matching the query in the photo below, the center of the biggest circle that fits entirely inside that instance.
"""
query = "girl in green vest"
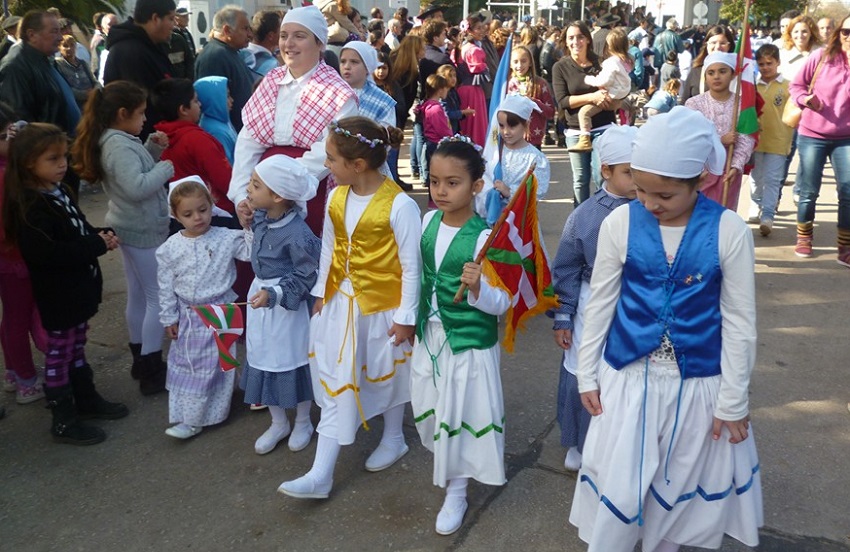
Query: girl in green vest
(456, 392)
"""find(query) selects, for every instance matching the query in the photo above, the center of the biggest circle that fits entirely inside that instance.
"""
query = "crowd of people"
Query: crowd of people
(261, 171)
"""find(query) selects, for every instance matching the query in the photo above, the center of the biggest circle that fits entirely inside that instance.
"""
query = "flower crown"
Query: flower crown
(461, 138)
(372, 143)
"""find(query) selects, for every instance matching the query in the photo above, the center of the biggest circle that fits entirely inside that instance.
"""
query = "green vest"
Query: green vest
(466, 327)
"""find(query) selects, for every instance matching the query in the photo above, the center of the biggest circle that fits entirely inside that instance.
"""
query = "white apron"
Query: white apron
(277, 338)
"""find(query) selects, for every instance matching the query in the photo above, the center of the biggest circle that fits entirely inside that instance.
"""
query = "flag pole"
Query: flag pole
(736, 108)
(496, 227)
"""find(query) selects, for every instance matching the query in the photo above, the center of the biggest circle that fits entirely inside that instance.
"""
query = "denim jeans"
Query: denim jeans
(417, 149)
(813, 156)
(586, 168)
(766, 182)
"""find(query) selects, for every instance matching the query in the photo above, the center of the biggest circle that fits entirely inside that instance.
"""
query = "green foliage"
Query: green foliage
(761, 12)
(80, 12)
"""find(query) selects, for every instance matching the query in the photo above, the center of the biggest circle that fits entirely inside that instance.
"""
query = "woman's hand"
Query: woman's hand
(739, 429)
(564, 339)
(399, 333)
(813, 102)
(729, 138)
(590, 401)
(601, 98)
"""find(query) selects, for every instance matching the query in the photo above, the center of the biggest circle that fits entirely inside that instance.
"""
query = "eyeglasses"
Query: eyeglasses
(844, 32)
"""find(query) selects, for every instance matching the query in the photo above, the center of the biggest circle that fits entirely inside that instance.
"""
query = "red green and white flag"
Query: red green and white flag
(227, 325)
(748, 122)
(517, 262)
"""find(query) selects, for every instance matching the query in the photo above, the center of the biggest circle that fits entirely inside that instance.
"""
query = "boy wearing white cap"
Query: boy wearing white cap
(196, 266)
(717, 105)
(571, 273)
(669, 344)
(509, 156)
(285, 259)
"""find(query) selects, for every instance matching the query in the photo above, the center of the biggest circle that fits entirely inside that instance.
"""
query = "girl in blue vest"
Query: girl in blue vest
(664, 368)
(367, 296)
(456, 392)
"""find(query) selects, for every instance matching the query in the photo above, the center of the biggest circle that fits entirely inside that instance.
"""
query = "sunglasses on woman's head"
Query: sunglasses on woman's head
(844, 32)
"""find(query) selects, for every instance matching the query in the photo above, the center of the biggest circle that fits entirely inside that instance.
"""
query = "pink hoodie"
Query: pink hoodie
(831, 86)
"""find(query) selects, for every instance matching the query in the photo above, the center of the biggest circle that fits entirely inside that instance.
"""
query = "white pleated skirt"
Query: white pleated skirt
(458, 409)
(356, 372)
(634, 485)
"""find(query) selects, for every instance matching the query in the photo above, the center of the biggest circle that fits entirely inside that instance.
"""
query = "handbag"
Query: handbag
(792, 113)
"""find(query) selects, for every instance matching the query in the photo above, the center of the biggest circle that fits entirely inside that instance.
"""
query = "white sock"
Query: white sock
(393, 434)
(666, 546)
(456, 492)
(302, 413)
(327, 451)
(279, 416)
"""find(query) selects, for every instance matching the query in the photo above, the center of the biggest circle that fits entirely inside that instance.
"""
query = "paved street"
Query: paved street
(141, 490)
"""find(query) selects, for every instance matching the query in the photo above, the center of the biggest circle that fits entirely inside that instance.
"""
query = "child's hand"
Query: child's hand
(110, 239)
(503, 189)
(730, 176)
(564, 339)
(591, 403)
(729, 138)
(738, 429)
(318, 306)
(171, 331)
(159, 138)
(260, 299)
(468, 112)
(401, 333)
(472, 278)
(245, 214)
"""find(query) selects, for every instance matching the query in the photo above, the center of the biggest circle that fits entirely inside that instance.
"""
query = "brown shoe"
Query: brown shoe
(584, 145)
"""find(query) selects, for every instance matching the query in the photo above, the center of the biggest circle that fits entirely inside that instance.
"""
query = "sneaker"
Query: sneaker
(844, 255)
(804, 247)
(765, 226)
(183, 431)
(404, 185)
(10, 382)
(258, 406)
(29, 393)
(796, 199)
(548, 140)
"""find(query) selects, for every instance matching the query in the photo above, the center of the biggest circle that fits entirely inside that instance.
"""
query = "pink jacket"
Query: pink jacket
(435, 121)
(833, 121)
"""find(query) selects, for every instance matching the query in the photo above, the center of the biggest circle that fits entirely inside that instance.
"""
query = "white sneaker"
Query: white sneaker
(385, 456)
(765, 226)
(10, 382)
(573, 460)
(300, 437)
(183, 431)
(451, 515)
(267, 442)
(305, 487)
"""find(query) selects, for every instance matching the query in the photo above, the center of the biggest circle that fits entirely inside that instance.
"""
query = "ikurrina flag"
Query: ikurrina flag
(226, 325)
(517, 263)
(748, 121)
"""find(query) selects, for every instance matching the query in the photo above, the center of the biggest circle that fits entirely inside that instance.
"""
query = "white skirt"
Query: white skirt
(357, 373)
(458, 409)
(628, 489)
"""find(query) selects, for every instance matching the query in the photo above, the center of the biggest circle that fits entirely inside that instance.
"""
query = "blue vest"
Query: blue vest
(682, 300)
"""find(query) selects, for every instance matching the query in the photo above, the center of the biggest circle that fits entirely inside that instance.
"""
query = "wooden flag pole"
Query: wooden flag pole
(736, 108)
(496, 227)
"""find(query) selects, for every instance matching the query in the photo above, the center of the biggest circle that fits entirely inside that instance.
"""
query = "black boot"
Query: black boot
(89, 402)
(152, 378)
(66, 427)
(136, 351)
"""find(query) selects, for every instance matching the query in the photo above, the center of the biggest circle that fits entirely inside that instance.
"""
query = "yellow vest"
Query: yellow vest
(775, 136)
(370, 259)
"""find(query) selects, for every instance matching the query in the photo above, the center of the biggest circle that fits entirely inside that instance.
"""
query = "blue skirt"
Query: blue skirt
(283, 389)
(573, 418)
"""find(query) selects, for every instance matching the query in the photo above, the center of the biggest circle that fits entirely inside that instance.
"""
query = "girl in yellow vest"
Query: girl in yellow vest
(456, 392)
(367, 296)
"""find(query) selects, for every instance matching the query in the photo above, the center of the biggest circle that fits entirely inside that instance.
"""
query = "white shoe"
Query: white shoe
(183, 431)
(765, 227)
(300, 437)
(305, 487)
(271, 437)
(450, 517)
(385, 456)
(573, 460)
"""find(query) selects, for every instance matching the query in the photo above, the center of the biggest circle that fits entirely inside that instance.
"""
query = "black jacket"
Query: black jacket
(66, 279)
(134, 57)
(434, 58)
(217, 59)
(28, 84)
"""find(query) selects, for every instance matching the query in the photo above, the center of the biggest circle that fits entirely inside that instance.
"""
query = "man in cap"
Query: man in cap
(604, 23)
(9, 26)
(181, 25)
(434, 11)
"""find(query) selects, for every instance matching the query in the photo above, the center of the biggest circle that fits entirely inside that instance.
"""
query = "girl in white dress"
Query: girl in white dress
(367, 294)
(456, 392)
(664, 367)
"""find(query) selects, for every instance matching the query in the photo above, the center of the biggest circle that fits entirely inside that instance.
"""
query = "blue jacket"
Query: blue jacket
(215, 119)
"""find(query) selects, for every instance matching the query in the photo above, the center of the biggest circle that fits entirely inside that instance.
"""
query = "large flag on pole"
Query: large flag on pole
(226, 324)
(517, 263)
(492, 148)
(747, 116)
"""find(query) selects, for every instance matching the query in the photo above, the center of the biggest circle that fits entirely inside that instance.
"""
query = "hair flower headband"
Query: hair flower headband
(462, 138)
(372, 143)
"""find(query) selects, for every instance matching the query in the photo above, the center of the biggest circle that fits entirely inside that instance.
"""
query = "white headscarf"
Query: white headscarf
(195, 178)
(518, 105)
(288, 178)
(726, 58)
(615, 145)
(368, 55)
(697, 145)
(311, 18)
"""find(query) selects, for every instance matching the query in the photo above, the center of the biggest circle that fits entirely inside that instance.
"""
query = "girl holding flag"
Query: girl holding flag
(196, 267)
